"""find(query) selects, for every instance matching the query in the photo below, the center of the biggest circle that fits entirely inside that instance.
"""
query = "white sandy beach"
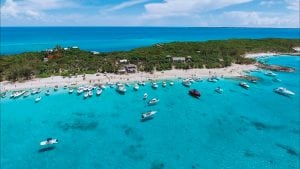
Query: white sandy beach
(231, 71)
(256, 55)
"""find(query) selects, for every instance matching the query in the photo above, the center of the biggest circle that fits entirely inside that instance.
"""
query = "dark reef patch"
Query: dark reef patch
(78, 124)
(248, 153)
(288, 149)
(134, 153)
(157, 165)
(132, 133)
(263, 126)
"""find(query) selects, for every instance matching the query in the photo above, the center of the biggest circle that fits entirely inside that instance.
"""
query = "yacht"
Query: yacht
(164, 84)
(136, 87)
(145, 96)
(195, 93)
(154, 85)
(38, 99)
(153, 101)
(186, 83)
(98, 92)
(284, 91)
(219, 90)
(269, 73)
(148, 115)
(244, 85)
(48, 141)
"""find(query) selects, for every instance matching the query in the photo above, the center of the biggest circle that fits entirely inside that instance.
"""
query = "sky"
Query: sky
(188, 13)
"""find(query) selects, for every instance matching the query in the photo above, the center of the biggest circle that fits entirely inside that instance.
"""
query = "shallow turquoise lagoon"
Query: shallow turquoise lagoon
(240, 128)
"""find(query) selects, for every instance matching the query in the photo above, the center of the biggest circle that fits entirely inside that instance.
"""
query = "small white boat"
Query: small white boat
(49, 141)
(219, 90)
(86, 95)
(244, 85)
(121, 88)
(34, 91)
(164, 84)
(98, 92)
(148, 115)
(18, 94)
(145, 96)
(79, 91)
(270, 73)
(153, 101)
(276, 79)
(171, 83)
(56, 88)
(47, 93)
(90, 93)
(186, 83)
(102, 86)
(65, 86)
(141, 83)
(26, 94)
(213, 80)
(284, 91)
(136, 87)
(71, 91)
(154, 85)
(38, 99)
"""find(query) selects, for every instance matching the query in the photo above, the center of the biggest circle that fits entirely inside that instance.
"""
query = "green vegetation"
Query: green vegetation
(210, 54)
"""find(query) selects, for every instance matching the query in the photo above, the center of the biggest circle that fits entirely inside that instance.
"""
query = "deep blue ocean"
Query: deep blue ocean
(249, 129)
(22, 39)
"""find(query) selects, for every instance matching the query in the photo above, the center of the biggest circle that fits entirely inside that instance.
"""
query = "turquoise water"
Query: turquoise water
(24, 39)
(240, 128)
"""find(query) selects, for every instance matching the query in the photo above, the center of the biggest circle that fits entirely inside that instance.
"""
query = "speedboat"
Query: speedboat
(145, 96)
(186, 83)
(47, 93)
(284, 91)
(154, 85)
(49, 141)
(269, 73)
(153, 101)
(164, 84)
(219, 90)
(171, 83)
(195, 93)
(244, 85)
(148, 115)
(86, 95)
(136, 87)
(38, 99)
(90, 93)
(98, 92)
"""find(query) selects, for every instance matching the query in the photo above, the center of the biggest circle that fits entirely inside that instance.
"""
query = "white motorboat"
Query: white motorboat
(90, 93)
(34, 91)
(56, 88)
(86, 95)
(154, 85)
(98, 92)
(141, 83)
(164, 84)
(18, 94)
(121, 88)
(213, 80)
(136, 87)
(38, 99)
(275, 79)
(26, 94)
(102, 86)
(47, 93)
(79, 91)
(148, 115)
(171, 83)
(153, 101)
(186, 83)
(219, 90)
(270, 73)
(244, 85)
(71, 91)
(284, 91)
(145, 96)
(49, 141)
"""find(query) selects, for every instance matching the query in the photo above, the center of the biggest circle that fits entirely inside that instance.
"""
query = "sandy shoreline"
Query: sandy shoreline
(231, 71)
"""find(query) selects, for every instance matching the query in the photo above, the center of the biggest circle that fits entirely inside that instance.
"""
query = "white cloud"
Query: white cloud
(31, 8)
(126, 4)
(183, 7)
(269, 2)
(293, 4)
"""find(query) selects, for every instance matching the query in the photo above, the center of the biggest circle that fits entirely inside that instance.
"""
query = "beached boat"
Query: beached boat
(99, 92)
(145, 96)
(186, 83)
(219, 90)
(284, 91)
(270, 73)
(49, 141)
(153, 101)
(244, 85)
(38, 99)
(154, 85)
(194, 93)
(148, 115)
(136, 87)
(164, 84)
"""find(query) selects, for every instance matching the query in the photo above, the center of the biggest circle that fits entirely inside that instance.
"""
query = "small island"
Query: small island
(160, 61)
